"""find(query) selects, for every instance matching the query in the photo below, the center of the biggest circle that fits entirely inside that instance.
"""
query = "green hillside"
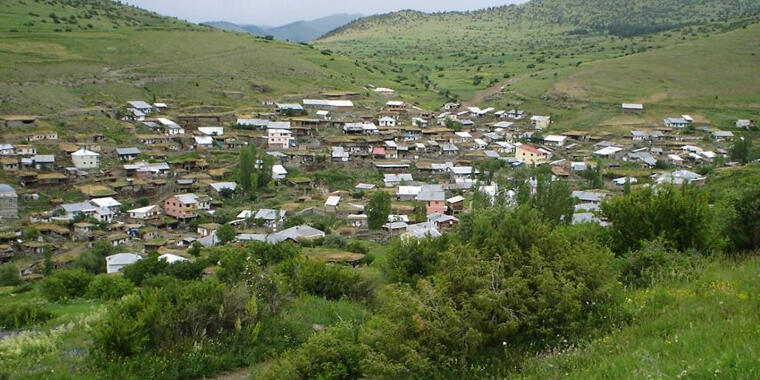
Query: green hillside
(461, 53)
(47, 71)
(694, 330)
(76, 15)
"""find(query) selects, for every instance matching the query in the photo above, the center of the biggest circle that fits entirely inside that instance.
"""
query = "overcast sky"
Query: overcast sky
(279, 12)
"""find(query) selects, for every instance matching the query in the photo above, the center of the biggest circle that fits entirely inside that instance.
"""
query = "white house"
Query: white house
(676, 122)
(115, 263)
(144, 212)
(278, 172)
(205, 142)
(112, 204)
(85, 159)
(555, 140)
(211, 131)
(387, 121)
(171, 259)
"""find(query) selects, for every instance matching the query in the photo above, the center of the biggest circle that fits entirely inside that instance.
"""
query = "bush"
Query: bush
(9, 275)
(20, 316)
(109, 287)
(65, 284)
(329, 281)
(654, 263)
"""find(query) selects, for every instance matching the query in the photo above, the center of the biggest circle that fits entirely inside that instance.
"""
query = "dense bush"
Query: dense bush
(94, 260)
(654, 262)
(410, 260)
(109, 287)
(20, 316)
(151, 266)
(65, 284)
(9, 275)
(329, 281)
(174, 317)
(332, 354)
(743, 227)
(680, 217)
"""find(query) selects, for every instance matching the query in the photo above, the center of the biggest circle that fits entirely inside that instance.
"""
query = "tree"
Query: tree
(744, 225)
(554, 201)
(742, 149)
(378, 209)
(225, 234)
(420, 212)
(246, 165)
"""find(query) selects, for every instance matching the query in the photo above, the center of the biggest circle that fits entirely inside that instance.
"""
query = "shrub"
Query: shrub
(9, 275)
(329, 281)
(65, 284)
(109, 287)
(20, 316)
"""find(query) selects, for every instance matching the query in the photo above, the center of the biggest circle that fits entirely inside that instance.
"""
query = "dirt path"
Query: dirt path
(238, 374)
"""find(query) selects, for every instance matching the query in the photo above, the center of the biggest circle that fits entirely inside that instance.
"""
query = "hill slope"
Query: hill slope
(44, 71)
(463, 52)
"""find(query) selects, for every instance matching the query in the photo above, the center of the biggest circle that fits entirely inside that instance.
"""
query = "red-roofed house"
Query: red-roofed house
(531, 155)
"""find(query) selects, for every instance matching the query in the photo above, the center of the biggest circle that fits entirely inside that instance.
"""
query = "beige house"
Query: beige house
(531, 155)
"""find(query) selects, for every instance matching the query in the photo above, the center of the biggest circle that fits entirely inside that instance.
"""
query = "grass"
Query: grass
(707, 328)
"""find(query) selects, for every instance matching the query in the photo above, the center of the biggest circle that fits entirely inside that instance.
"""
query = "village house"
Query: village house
(339, 154)
(331, 204)
(7, 150)
(531, 155)
(541, 122)
(109, 203)
(141, 106)
(144, 213)
(722, 135)
(676, 122)
(555, 140)
(10, 164)
(186, 206)
(279, 172)
(745, 124)
(85, 159)
(280, 139)
(435, 200)
(387, 121)
(127, 154)
(205, 142)
(455, 204)
(393, 179)
(8, 202)
(115, 263)
(270, 218)
(633, 108)
(395, 106)
(332, 105)
(442, 221)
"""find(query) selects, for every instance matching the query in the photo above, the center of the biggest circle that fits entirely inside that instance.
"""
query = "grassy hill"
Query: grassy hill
(299, 31)
(703, 329)
(461, 53)
(132, 54)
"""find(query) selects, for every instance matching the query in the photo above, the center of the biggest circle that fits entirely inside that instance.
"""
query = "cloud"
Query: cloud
(278, 12)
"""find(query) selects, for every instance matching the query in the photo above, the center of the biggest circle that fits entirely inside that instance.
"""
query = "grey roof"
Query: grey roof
(123, 259)
(139, 104)
(127, 151)
(78, 207)
(7, 190)
(44, 158)
(427, 196)
(588, 196)
(423, 230)
(295, 233)
(270, 214)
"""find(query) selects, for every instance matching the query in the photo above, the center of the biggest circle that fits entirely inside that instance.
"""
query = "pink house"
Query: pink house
(435, 200)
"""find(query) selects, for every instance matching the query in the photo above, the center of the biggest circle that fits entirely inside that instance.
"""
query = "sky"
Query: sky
(280, 12)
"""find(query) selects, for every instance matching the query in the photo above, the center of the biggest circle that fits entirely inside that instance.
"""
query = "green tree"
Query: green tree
(246, 166)
(225, 234)
(743, 227)
(553, 199)
(742, 149)
(420, 212)
(378, 209)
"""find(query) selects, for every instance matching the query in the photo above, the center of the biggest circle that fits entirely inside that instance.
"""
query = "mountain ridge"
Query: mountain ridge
(297, 31)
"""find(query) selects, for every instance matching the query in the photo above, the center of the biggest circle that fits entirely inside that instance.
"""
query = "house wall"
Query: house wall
(9, 207)
(179, 210)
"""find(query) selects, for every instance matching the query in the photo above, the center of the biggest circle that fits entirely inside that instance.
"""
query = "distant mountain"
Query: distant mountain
(299, 31)
(228, 26)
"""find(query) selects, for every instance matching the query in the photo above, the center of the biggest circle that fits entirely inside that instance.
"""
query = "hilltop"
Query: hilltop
(102, 53)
